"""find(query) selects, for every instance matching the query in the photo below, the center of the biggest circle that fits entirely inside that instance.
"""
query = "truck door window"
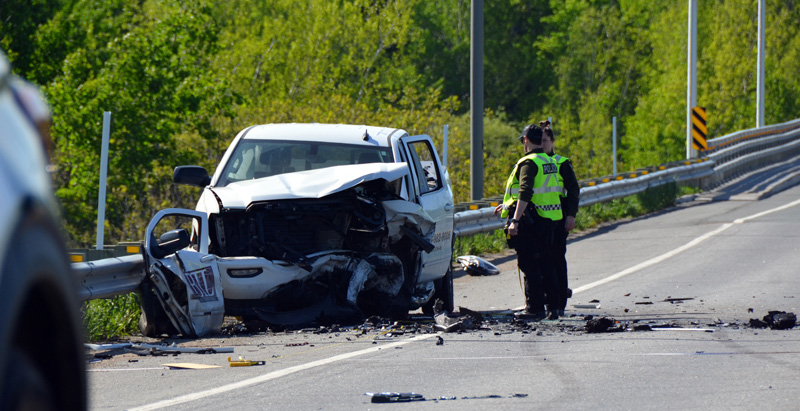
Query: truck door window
(421, 154)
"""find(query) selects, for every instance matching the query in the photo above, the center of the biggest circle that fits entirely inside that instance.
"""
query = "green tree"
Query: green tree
(782, 93)
(726, 65)
(152, 74)
(19, 22)
(656, 132)
(598, 57)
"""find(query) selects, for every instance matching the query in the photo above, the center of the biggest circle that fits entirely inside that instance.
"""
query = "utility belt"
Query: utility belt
(530, 225)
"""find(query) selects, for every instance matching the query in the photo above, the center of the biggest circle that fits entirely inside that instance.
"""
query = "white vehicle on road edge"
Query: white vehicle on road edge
(304, 224)
(42, 358)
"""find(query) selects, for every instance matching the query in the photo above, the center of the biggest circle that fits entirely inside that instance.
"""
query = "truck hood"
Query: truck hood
(306, 184)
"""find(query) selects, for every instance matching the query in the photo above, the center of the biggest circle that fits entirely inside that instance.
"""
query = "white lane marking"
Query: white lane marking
(125, 369)
(681, 249)
(273, 375)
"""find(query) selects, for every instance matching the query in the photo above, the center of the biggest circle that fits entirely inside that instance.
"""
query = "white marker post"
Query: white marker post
(444, 145)
(691, 92)
(760, 80)
(614, 143)
(101, 197)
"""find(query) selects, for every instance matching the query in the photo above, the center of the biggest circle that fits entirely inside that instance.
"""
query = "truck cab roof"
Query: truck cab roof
(339, 133)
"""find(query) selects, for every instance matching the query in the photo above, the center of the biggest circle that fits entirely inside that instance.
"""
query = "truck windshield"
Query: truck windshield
(264, 158)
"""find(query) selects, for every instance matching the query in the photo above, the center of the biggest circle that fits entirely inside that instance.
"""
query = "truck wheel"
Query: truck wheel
(154, 321)
(443, 292)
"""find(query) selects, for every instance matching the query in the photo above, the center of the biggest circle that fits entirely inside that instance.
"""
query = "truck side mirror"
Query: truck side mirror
(191, 175)
(170, 242)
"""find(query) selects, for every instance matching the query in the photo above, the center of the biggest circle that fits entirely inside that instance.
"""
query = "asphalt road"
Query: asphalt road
(696, 274)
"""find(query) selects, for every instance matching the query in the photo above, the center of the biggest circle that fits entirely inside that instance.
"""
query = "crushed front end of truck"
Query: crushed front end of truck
(349, 250)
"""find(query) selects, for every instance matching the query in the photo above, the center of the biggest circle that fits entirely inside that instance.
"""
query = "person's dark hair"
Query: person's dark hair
(533, 133)
(545, 126)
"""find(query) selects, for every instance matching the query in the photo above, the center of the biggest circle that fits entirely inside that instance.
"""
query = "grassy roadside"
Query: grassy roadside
(106, 319)
(119, 316)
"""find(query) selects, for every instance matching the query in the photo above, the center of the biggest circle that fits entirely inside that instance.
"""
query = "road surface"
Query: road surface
(695, 274)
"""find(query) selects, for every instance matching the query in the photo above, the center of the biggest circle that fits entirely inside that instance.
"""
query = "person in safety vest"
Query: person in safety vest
(532, 201)
(569, 207)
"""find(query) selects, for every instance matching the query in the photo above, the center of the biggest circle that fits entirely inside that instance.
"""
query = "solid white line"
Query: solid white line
(273, 375)
(681, 249)
(125, 369)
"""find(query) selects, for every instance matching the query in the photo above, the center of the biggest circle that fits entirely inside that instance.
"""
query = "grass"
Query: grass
(111, 318)
(119, 316)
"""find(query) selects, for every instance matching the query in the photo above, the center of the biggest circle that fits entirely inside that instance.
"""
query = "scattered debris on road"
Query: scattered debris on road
(241, 362)
(190, 366)
(107, 351)
(677, 300)
(776, 320)
(389, 397)
(464, 320)
(475, 265)
(383, 397)
(603, 325)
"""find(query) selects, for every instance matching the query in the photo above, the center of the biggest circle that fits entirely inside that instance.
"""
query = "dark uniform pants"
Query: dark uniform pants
(560, 262)
(534, 246)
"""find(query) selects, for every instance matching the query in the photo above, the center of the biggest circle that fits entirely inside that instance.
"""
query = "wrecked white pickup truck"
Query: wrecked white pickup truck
(303, 224)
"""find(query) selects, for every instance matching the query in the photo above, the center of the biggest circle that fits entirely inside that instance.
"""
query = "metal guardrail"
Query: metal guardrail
(109, 277)
(752, 134)
(728, 157)
(764, 146)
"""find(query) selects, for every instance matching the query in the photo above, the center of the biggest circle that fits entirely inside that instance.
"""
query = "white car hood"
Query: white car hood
(306, 184)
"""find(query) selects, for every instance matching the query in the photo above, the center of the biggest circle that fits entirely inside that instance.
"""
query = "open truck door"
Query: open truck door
(431, 189)
(182, 290)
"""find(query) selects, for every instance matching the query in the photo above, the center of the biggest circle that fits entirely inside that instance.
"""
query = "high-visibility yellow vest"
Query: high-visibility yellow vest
(547, 187)
(560, 160)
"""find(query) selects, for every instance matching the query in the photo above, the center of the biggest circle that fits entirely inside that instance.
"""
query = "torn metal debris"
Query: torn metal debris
(677, 300)
(107, 351)
(384, 397)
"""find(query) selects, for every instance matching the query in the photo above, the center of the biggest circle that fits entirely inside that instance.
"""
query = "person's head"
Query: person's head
(548, 138)
(531, 136)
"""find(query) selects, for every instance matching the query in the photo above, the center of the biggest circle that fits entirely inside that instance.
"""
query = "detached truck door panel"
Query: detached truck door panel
(435, 196)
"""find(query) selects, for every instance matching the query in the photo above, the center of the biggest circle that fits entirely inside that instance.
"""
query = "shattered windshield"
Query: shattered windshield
(263, 158)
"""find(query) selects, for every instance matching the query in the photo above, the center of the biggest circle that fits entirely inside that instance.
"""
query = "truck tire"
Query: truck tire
(154, 321)
(443, 292)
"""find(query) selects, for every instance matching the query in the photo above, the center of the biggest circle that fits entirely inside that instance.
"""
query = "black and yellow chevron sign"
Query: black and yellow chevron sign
(699, 129)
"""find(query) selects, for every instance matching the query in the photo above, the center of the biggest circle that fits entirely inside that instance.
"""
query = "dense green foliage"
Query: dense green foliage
(113, 317)
(183, 77)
